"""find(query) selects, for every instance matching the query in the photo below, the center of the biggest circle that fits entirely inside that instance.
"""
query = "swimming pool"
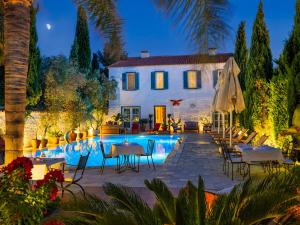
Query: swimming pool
(164, 144)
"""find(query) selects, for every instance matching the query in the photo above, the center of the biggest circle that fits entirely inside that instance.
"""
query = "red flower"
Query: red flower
(54, 222)
(20, 163)
(53, 193)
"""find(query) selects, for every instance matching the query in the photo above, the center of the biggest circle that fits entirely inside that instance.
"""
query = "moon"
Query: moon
(48, 26)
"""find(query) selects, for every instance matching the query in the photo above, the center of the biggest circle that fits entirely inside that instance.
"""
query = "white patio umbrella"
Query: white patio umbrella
(230, 97)
(213, 106)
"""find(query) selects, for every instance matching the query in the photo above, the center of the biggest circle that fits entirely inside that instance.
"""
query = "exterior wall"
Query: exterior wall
(33, 126)
(196, 103)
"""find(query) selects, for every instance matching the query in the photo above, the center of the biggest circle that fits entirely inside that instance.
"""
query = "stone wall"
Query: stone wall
(35, 127)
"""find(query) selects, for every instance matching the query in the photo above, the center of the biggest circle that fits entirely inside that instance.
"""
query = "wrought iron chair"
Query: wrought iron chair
(233, 159)
(107, 156)
(148, 153)
(78, 175)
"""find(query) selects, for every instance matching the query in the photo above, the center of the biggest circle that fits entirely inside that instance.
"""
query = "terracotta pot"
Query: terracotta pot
(80, 135)
(96, 132)
(44, 143)
(72, 136)
(54, 140)
(35, 143)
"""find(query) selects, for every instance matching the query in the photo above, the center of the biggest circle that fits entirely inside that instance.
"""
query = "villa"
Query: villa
(181, 85)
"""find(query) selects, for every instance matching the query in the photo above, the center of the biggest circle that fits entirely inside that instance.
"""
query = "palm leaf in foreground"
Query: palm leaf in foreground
(166, 202)
(204, 21)
(257, 200)
(124, 198)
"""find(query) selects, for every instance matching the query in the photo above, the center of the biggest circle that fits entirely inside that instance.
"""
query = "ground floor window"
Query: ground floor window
(216, 118)
(130, 115)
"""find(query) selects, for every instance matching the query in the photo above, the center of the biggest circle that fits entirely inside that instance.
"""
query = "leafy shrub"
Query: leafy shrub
(20, 201)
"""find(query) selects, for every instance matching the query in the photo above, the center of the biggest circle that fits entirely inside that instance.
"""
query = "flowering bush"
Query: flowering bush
(20, 201)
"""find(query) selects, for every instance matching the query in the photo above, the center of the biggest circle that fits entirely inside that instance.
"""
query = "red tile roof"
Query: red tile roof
(172, 60)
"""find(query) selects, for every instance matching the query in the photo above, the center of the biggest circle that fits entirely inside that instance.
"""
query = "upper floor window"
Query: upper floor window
(216, 75)
(159, 80)
(130, 81)
(192, 79)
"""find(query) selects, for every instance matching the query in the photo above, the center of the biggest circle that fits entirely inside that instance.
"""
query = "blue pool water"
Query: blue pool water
(71, 152)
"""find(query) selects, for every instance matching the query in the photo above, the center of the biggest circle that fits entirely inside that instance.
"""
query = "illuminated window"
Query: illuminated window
(130, 81)
(159, 80)
(192, 79)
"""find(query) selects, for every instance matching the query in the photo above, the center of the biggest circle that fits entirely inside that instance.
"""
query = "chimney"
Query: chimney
(145, 54)
(212, 51)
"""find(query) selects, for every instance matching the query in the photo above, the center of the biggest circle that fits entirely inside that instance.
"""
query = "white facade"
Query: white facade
(195, 105)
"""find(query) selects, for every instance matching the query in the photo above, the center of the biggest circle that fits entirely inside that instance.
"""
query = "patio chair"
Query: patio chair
(215, 133)
(235, 133)
(289, 155)
(233, 159)
(107, 156)
(248, 140)
(241, 134)
(261, 140)
(148, 153)
(78, 175)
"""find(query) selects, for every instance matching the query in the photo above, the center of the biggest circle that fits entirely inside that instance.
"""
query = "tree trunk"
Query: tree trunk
(16, 52)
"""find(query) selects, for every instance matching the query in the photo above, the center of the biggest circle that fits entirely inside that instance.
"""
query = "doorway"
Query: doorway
(159, 114)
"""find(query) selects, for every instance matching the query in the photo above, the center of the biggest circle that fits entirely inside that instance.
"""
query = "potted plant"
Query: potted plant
(46, 122)
(143, 124)
(54, 136)
(35, 142)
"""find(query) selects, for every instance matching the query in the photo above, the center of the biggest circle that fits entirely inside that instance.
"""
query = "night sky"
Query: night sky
(145, 28)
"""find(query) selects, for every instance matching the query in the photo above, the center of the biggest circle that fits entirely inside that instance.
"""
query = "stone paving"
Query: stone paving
(195, 156)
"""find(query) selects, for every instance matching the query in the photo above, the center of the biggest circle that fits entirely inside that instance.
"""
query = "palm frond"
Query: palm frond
(205, 22)
(257, 200)
(126, 199)
(165, 200)
(202, 204)
(87, 209)
(187, 206)
(104, 14)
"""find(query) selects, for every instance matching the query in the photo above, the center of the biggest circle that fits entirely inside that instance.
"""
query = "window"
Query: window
(216, 75)
(159, 80)
(192, 79)
(131, 114)
(130, 81)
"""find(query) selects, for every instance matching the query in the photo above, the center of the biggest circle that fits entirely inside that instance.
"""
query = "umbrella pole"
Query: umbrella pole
(230, 128)
(219, 117)
(223, 118)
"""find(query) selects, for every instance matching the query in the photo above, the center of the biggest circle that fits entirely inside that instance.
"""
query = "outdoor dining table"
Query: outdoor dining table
(126, 150)
(261, 154)
(42, 165)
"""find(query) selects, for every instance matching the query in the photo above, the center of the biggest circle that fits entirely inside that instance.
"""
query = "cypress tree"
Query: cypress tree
(259, 72)
(260, 60)
(95, 63)
(80, 51)
(241, 53)
(289, 64)
(241, 57)
(34, 89)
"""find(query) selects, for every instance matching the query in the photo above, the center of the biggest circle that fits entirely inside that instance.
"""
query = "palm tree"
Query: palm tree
(202, 20)
(256, 201)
